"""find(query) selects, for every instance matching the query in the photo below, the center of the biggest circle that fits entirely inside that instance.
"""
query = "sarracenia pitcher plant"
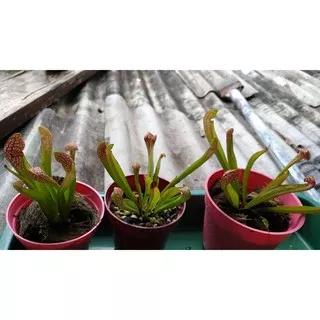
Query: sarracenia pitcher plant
(150, 201)
(236, 191)
(37, 183)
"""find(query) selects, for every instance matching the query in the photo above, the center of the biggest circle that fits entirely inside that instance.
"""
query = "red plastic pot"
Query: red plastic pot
(131, 237)
(222, 232)
(20, 201)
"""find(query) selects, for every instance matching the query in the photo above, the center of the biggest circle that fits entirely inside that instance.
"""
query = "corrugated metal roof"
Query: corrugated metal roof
(122, 106)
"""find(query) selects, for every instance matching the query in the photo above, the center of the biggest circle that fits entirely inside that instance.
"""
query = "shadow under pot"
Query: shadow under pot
(92, 199)
(220, 231)
(129, 236)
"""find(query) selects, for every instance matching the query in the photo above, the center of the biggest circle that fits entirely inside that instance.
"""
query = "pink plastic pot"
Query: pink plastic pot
(128, 236)
(222, 232)
(19, 202)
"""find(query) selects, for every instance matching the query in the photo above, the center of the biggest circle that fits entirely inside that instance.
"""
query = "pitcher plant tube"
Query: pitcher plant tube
(236, 191)
(37, 183)
(148, 203)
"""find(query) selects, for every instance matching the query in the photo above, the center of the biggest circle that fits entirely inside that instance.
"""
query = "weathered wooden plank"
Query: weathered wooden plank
(24, 95)
(9, 74)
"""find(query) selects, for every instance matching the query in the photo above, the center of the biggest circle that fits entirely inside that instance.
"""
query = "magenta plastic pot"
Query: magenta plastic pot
(20, 201)
(131, 237)
(222, 232)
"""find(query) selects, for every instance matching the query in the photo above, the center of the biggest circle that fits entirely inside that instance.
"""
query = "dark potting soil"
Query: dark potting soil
(33, 224)
(152, 221)
(251, 217)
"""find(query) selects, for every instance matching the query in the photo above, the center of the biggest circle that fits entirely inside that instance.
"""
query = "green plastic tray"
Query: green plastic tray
(188, 234)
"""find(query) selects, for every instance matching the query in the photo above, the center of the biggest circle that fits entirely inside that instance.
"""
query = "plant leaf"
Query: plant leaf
(147, 182)
(136, 169)
(276, 182)
(265, 222)
(194, 166)
(226, 181)
(67, 188)
(43, 198)
(156, 173)
(45, 150)
(39, 175)
(232, 161)
(232, 196)
(184, 196)
(102, 154)
(230, 151)
(113, 168)
(150, 141)
(117, 198)
(72, 148)
(43, 181)
(120, 176)
(13, 172)
(13, 152)
(130, 205)
(249, 166)
(211, 134)
(168, 194)
(303, 154)
(291, 209)
(32, 194)
(280, 190)
(154, 199)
